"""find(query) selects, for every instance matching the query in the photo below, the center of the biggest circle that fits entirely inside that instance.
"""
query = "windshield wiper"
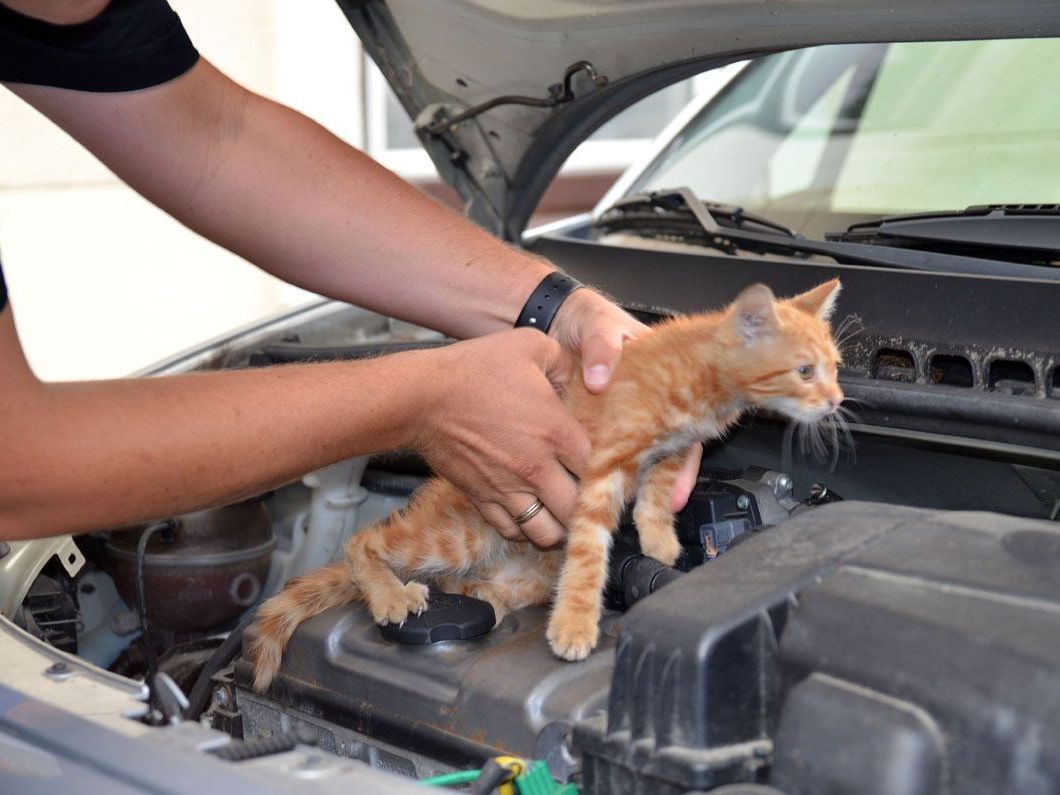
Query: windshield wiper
(712, 216)
(680, 213)
(1028, 233)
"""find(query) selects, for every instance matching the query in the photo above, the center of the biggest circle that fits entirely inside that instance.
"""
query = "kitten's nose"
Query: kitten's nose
(833, 403)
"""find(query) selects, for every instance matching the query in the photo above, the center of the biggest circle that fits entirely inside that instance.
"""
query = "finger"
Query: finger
(501, 521)
(601, 350)
(686, 479)
(554, 486)
(543, 530)
(573, 450)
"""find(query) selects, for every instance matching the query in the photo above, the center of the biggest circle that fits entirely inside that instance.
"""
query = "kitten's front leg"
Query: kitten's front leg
(574, 626)
(652, 514)
(390, 600)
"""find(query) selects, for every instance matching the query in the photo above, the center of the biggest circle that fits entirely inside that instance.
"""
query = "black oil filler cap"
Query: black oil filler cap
(448, 616)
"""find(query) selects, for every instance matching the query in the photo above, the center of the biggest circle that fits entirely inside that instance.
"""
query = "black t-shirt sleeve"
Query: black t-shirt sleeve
(131, 44)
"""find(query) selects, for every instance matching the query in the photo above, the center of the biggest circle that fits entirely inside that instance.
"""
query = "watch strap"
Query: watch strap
(544, 302)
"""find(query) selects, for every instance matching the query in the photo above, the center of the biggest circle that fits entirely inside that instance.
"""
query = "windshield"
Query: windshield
(821, 138)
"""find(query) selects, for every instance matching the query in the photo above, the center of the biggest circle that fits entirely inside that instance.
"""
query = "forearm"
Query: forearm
(84, 456)
(278, 189)
(364, 235)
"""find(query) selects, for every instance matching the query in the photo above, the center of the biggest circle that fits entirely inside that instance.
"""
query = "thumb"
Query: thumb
(600, 354)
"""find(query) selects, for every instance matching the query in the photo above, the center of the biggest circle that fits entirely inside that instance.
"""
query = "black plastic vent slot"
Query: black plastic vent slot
(1054, 385)
(951, 370)
(1011, 377)
(893, 364)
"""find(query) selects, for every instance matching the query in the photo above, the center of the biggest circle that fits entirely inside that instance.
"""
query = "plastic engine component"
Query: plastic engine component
(448, 617)
(856, 648)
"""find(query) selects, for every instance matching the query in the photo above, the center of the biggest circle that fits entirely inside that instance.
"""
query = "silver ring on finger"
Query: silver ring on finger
(529, 513)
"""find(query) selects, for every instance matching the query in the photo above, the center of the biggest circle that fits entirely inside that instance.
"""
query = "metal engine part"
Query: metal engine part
(419, 710)
(724, 507)
(211, 571)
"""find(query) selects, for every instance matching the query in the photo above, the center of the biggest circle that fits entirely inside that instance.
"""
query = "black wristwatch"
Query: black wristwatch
(544, 302)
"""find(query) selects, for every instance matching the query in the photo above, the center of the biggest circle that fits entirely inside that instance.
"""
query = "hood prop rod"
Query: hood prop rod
(558, 94)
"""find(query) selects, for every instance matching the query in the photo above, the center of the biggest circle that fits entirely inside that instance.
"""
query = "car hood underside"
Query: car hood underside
(584, 61)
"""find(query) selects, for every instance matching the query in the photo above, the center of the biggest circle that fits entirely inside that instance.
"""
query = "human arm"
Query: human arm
(84, 456)
(273, 186)
(283, 192)
(278, 189)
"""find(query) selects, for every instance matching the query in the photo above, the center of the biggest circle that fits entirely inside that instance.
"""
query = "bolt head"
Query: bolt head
(743, 502)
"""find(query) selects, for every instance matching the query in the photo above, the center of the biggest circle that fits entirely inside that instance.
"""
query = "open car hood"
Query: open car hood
(586, 60)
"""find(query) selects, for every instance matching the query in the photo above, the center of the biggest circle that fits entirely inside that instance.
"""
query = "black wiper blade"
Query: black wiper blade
(1021, 232)
(712, 216)
(654, 213)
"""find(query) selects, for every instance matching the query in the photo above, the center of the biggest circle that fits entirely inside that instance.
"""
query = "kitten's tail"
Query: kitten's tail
(277, 619)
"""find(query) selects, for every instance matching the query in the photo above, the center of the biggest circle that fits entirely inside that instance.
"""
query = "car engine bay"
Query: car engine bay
(885, 621)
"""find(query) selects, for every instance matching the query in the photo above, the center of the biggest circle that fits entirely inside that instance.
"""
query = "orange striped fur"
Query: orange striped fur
(686, 382)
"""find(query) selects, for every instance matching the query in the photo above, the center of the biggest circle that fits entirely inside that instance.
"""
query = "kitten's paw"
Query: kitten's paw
(572, 637)
(416, 594)
(664, 547)
(655, 530)
(410, 598)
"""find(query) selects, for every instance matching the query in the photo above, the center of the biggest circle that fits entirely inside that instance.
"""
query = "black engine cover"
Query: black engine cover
(857, 648)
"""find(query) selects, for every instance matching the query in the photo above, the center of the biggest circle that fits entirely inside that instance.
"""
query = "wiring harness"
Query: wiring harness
(505, 775)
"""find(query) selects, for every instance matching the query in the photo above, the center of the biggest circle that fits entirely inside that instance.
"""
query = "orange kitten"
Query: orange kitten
(686, 382)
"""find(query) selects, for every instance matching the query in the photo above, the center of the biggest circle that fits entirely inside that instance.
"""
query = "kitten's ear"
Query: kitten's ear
(754, 313)
(820, 300)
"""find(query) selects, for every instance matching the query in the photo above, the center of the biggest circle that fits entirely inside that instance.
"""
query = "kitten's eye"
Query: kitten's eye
(805, 372)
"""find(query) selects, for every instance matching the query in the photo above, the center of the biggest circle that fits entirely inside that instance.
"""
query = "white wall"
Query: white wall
(103, 283)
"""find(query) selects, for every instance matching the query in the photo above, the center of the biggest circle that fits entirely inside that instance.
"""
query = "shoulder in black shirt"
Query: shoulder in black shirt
(131, 44)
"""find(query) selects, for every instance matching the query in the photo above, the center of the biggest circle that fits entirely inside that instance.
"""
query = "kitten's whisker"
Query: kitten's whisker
(848, 437)
(823, 440)
(786, 447)
(862, 401)
(833, 426)
(847, 334)
(849, 328)
(806, 436)
(847, 414)
(814, 438)
(820, 441)
(846, 323)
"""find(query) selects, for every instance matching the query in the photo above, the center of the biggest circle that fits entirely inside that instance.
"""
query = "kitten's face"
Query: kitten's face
(789, 361)
(805, 386)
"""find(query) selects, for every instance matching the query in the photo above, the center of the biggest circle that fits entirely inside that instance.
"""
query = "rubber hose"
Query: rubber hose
(199, 696)
(242, 750)
(169, 525)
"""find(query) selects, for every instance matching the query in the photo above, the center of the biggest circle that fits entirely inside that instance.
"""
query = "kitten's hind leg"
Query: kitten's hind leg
(438, 532)
(652, 514)
(574, 626)
(517, 583)
(484, 590)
